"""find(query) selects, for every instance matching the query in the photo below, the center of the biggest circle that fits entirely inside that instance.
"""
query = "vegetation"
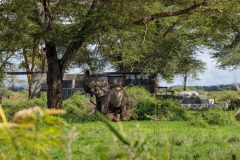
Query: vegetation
(159, 38)
(137, 94)
(126, 35)
(20, 101)
(78, 109)
(144, 140)
(202, 134)
(189, 66)
(224, 96)
(211, 117)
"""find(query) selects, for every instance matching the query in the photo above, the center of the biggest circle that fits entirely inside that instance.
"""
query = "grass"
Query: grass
(145, 140)
(172, 140)
(61, 139)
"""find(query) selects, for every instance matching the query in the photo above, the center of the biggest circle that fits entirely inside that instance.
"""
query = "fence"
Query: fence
(74, 82)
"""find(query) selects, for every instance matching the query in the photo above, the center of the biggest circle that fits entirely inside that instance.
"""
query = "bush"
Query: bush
(161, 109)
(146, 105)
(10, 107)
(218, 117)
(144, 109)
(224, 96)
(211, 117)
(138, 94)
(195, 119)
(171, 110)
(77, 109)
(4, 92)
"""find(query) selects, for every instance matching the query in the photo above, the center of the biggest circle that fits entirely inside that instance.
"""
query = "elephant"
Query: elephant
(110, 100)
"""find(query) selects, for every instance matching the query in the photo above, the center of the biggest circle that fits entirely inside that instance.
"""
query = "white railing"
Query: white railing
(205, 106)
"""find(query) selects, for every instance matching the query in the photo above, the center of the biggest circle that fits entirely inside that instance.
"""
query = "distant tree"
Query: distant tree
(33, 59)
(4, 63)
(189, 66)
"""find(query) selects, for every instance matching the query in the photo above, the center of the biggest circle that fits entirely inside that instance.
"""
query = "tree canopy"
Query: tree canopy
(148, 36)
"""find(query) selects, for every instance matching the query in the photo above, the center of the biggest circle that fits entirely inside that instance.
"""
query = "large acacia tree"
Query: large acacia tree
(63, 27)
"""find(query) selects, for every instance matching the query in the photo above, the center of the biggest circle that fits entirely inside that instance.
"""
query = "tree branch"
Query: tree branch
(26, 63)
(170, 29)
(4, 62)
(153, 17)
(44, 14)
(236, 29)
(75, 45)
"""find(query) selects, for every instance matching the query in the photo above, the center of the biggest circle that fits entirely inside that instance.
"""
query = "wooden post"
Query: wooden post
(73, 84)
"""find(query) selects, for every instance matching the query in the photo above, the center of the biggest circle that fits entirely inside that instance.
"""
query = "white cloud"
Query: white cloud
(211, 76)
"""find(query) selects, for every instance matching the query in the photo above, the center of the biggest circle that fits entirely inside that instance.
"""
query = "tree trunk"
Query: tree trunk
(54, 78)
(184, 82)
(57, 66)
(153, 88)
(30, 68)
(29, 77)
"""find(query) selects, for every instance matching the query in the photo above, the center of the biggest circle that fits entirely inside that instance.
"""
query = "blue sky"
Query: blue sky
(211, 76)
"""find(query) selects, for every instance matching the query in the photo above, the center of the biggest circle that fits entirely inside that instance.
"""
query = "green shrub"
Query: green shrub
(12, 106)
(224, 96)
(218, 117)
(145, 105)
(162, 109)
(41, 100)
(4, 92)
(77, 109)
(144, 109)
(211, 117)
(171, 110)
(195, 119)
(137, 94)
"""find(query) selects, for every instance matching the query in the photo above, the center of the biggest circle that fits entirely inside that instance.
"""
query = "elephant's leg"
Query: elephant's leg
(98, 105)
(105, 107)
(117, 117)
(102, 105)
(124, 112)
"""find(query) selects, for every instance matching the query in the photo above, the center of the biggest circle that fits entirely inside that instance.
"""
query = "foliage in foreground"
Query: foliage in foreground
(47, 137)
(37, 137)
(123, 141)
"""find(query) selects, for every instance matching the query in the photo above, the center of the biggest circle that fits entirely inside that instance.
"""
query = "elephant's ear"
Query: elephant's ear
(88, 85)
(104, 87)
